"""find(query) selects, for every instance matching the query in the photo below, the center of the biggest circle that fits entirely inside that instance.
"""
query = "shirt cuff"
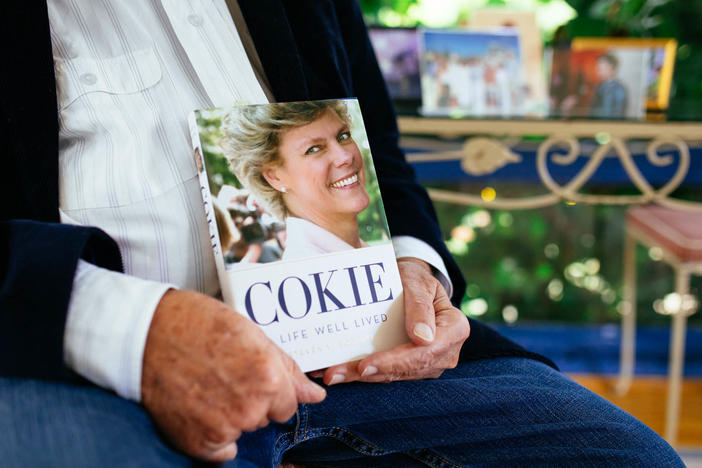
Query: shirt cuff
(108, 320)
(408, 246)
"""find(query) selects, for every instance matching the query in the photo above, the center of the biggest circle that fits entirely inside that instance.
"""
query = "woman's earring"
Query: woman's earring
(283, 189)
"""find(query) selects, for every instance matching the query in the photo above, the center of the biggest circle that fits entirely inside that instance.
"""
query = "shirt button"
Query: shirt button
(71, 51)
(88, 79)
(195, 20)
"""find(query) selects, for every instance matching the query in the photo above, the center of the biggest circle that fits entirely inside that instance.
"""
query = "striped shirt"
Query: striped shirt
(127, 75)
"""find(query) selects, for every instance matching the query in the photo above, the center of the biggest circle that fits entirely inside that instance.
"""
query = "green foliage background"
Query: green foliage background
(505, 263)
(512, 262)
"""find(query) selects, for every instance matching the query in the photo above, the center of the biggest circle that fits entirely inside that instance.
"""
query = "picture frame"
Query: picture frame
(659, 75)
(468, 72)
(398, 59)
(599, 83)
(531, 46)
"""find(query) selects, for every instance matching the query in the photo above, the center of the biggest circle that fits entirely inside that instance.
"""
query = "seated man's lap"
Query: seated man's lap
(54, 424)
(497, 411)
(58, 424)
(492, 411)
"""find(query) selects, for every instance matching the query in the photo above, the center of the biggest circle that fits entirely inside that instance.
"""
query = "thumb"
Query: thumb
(419, 315)
(223, 454)
(419, 291)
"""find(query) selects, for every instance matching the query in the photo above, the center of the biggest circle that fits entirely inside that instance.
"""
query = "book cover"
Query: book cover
(298, 229)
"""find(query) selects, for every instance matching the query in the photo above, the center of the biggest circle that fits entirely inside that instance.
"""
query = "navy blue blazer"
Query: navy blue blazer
(310, 49)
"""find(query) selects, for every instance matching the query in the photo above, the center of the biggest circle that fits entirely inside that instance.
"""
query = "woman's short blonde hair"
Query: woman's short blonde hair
(252, 136)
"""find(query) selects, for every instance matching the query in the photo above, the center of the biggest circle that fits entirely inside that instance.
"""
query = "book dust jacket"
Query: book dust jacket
(298, 229)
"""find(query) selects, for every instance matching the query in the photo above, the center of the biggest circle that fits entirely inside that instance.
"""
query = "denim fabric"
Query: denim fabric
(496, 412)
(50, 424)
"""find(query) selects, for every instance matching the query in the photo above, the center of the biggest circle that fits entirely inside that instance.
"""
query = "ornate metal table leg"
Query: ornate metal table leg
(687, 306)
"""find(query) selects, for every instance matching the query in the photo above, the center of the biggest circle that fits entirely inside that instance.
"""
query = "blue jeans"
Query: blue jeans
(494, 412)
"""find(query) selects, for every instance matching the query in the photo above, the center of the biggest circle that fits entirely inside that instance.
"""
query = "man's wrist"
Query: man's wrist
(419, 262)
(411, 247)
(106, 327)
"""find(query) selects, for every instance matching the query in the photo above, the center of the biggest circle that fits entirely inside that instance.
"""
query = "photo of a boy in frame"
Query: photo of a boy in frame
(599, 83)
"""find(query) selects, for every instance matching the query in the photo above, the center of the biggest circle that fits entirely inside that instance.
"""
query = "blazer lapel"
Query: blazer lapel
(275, 43)
(301, 46)
(28, 115)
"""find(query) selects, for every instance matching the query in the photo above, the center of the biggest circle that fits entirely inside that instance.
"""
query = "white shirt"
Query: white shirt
(127, 75)
(305, 239)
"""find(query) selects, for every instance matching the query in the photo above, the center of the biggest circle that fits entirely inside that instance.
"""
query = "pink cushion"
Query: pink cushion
(677, 231)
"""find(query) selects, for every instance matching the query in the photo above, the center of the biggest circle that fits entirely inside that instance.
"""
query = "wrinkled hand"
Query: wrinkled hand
(210, 373)
(436, 329)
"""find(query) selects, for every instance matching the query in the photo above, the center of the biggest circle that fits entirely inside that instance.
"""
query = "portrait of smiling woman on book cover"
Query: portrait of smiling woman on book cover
(301, 180)
(298, 228)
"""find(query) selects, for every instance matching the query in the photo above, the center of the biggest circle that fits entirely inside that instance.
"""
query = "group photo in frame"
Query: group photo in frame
(467, 72)
(531, 50)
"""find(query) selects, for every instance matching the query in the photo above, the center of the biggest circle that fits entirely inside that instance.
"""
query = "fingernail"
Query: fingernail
(370, 370)
(337, 378)
(321, 393)
(225, 453)
(424, 331)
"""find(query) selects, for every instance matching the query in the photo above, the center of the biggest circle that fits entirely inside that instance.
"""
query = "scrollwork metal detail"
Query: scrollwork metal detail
(484, 155)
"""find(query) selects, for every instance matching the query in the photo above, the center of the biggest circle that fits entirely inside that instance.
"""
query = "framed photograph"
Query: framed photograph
(530, 48)
(472, 73)
(659, 66)
(398, 58)
(599, 83)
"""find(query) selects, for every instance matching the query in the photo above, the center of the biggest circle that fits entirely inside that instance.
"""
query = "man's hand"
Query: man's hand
(210, 373)
(436, 329)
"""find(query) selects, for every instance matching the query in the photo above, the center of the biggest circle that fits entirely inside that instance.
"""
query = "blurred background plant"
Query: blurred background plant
(562, 263)
(559, 264)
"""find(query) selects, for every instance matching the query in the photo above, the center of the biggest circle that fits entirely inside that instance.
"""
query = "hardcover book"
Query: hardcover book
(298, 229)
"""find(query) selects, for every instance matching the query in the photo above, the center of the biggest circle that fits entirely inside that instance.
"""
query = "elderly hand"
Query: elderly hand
(436, 329)
(210, 373)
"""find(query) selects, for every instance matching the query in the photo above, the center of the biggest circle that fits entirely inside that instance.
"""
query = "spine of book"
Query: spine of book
(208, 206)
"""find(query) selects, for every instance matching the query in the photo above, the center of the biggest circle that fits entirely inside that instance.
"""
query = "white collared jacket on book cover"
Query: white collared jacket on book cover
(298, 229)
